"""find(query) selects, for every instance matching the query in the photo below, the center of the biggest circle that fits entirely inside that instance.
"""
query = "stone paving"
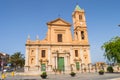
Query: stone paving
(79, 76)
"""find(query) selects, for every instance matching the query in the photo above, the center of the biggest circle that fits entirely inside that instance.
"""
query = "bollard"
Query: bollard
(3, 76)
(12, 74)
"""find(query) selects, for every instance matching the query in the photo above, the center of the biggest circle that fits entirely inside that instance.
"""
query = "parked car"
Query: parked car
(8, 70)
(5, 70)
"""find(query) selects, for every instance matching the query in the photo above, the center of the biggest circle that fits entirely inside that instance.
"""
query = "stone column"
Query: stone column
(66, 63)
(86, 35)
(37, 52)
(82, 60)
(75, 37)
(49, 59)
(80, 67)
(49, 55)
(69, 65)
(89, 58)
(71, 55)
(56, 62)
(26, 55)
(26, 59)
(81, 55)
(53, 62)
(79, 35)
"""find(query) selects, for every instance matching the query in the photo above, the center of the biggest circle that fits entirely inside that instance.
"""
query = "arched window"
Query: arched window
(80, 17)
(82, 35)
(32, 52)
(32, 61)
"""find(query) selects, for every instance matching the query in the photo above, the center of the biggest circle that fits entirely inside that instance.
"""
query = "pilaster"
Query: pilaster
(26, 55)
(66, 62)
(49, 56)
(88, 51)
(71, 55)
(37, 52)
(81, 55)
(26, 60)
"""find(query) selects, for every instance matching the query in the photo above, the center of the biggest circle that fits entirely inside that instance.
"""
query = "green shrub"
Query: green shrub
(101, 72)
(44, 75)
(110, 69)
(73, 74)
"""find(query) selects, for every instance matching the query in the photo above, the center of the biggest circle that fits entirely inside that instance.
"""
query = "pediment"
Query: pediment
(59, 22)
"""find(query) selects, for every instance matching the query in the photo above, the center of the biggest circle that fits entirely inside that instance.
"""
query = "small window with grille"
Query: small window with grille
(80, 17)
(59, 37)
(43, 53)
(76, 53)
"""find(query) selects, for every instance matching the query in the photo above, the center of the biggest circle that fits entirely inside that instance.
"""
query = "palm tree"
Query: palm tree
(17, 59)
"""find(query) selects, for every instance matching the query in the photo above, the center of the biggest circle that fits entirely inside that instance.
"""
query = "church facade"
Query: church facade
(59, 50)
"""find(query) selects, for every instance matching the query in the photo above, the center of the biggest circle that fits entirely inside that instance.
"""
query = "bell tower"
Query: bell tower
(79, 23)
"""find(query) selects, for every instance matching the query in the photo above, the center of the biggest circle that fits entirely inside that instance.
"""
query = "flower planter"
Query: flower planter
(44, 75)
(72, 74)
(101, 72)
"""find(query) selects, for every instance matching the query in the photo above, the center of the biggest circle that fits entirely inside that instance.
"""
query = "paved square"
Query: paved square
(79, 76)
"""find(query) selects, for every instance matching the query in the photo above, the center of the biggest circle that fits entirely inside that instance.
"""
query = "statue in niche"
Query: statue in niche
(32, 60)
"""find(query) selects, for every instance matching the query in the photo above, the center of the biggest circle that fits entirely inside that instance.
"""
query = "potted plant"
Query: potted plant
(59, 70)
(110, 69)
(43, 75)
(72, 74)
(101, 72)
(85, 69)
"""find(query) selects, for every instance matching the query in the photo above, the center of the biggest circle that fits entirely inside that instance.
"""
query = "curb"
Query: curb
(114, 79)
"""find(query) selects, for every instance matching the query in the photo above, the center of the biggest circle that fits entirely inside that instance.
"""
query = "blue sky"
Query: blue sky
(20, 18)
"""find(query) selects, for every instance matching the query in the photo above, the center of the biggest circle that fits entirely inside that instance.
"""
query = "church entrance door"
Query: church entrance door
(77, 66)
(61, 63)
(43, 67)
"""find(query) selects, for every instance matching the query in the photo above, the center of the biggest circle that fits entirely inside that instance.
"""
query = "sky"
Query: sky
(20, 18)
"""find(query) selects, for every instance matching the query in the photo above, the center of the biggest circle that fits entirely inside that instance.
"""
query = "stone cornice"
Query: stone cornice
(56, 45)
